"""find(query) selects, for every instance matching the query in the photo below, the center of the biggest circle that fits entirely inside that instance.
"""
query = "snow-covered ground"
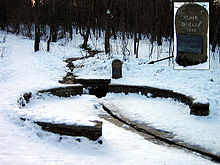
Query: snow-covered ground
(169, 115)
(77, 110)
(21, 71)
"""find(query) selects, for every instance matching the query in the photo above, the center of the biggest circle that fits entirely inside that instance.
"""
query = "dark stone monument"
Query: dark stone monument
(191, 30)
(116, 69)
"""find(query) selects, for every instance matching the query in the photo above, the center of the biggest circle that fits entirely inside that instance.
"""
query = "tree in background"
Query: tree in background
(120, 19)
(37, 26)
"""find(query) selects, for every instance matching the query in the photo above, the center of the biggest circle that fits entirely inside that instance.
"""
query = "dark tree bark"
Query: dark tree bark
(53, 26)
(127, 19)
(48, 42)
(137, 48)
(136, 39)
(108, 26)
(107, 36)
(85, 38)
(37, 38)
(37, 27)
(29, 31)
(71, 31)
(53, 29)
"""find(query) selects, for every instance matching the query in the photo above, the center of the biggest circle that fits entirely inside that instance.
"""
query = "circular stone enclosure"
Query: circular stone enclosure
(100, 88)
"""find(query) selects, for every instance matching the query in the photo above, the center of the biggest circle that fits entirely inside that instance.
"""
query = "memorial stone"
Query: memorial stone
(116, 69)
(191, 31)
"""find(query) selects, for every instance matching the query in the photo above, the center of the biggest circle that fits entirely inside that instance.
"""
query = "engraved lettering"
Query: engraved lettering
(190, 18)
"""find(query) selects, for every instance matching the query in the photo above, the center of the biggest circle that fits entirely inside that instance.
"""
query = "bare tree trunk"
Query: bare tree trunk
(48, 42)
(86, 38)
(215, 37)
(37, 27)
(170, 47)
(107, 38)
(71, 32)
(137, 47)
(136, 44)
(17, 28)
(29, 31)
(154, 21)
(114, 33)
(135, 41)
(151, 51)
(70, 28)
(37, 38)
(53, 29)
(53, 26)
(107, 27)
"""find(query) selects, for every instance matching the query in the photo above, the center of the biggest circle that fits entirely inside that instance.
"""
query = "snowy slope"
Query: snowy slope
(21, 70)
(169, 115)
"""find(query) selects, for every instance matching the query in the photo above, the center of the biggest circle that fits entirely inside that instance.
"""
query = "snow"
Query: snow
(71, 111)
(169, 115)
(22, 70)
(203, 85)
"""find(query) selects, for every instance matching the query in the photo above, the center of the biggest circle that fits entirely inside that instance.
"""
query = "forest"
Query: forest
(50, 20)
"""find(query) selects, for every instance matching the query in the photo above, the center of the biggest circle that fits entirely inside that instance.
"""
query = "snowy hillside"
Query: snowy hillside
(22, 70)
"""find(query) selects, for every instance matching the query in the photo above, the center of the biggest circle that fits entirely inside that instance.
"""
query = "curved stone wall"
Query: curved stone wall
(198, 109)
(100, 89)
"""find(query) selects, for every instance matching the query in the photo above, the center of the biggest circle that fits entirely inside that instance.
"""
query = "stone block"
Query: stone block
(65, 91)
(116, 69)
(200, 109)
(91, 132)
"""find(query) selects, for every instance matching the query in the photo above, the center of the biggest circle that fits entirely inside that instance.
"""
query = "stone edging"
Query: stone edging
(101, 88)
(91, 132)
(162, 136)
(197, 108)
